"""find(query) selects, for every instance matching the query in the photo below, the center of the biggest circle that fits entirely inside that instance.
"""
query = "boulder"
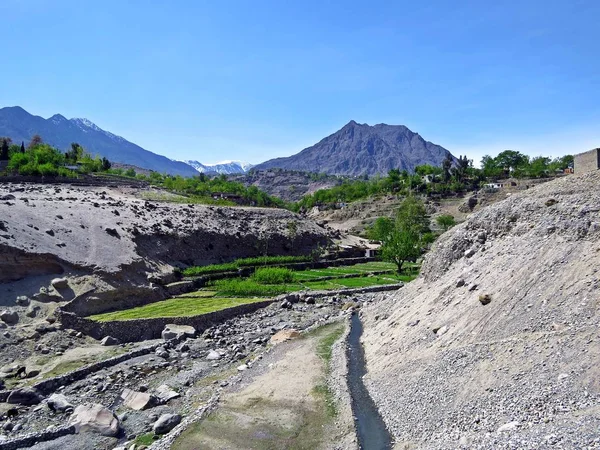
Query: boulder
(22, 300)
(32, 310)
(213, 355)
(108, 341)
(94, 418)
(164, 393)
(60, 283)
(24, 396)
(173, 331)
(284, 335)
(60, 403)
(137, 400)
(166, 423)
(9, 317)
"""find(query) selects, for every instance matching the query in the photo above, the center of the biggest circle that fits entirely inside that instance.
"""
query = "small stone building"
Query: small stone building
(588, 161)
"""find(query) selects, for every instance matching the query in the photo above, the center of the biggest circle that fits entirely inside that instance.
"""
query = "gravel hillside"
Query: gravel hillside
(496, 345)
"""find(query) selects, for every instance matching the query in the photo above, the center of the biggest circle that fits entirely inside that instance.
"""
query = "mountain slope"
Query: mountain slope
(359, 149)
(448, 371)
(226, 167)
(60, 132)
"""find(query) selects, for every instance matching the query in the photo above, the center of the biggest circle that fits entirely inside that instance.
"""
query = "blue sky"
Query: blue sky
(253, 80)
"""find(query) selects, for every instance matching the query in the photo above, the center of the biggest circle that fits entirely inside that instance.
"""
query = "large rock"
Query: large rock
(60, 283)
(137, 400)
(284, 335)
(9, 317)
(166, 423)
(173, 331)
(24, 396)
(94, 418)
(164, 393)
(108, 341)
(60, 403)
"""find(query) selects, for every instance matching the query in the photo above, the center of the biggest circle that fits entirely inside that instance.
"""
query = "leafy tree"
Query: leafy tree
(404, 242)
(105, 164)
(510, 160)
(381, 229)
(446, 166)
(130, 173)
(4, 150)
(539, 166)
(445, 221)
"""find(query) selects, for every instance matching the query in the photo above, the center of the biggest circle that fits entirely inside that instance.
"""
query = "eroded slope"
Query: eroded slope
(521, 371)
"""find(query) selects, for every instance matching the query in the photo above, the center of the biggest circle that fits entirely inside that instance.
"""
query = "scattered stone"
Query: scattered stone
(510, 426)
(460, 282)
(49, 232)
(112, 232)
(284, 335)
(60, 283)
(9, 317)
(472, 287)
(242, 368)
(59, 403)
(137, 400)
(213, 355)
(109, 341)
(469, 253)
(166, 423)
(164, 393)
(22, 300)
(173, 331)
(32, 310)
(95, 418)
(24, 396)
(485, 299)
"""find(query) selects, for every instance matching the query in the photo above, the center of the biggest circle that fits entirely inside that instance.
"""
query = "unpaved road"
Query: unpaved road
(285, 404)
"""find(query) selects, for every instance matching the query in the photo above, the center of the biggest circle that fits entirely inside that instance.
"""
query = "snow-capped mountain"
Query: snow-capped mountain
(60, 132)
(226, 167)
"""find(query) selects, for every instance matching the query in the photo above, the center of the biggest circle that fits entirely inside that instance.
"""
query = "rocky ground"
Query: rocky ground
(192, 372)
(496, 344)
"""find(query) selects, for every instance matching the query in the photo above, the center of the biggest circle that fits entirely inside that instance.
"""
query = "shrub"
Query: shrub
(273, 275)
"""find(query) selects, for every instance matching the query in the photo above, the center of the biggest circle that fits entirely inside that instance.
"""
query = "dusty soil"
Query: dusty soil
(496, 344)
(281, 406)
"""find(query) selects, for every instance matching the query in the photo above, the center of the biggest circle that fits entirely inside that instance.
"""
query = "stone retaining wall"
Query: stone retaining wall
(29, 440)
(144, 329)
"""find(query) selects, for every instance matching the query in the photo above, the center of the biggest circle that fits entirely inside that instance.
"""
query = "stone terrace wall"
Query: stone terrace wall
(144, 329)
(588, 161)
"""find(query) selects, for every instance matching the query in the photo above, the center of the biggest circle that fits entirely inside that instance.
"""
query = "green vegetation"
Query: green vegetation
(176, 307)
(146, 439)
(273, 275)
(403, 239)
(445, 221)
(324, 351)
(248, 287)
(452, 177)
(243, 262)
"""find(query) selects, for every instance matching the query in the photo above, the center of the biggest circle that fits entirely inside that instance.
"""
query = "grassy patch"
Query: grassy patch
(243, 262)
(273, 275)
(249, 287)
(175, 307)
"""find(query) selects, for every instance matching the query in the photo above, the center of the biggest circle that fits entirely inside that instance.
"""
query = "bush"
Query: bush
(47, 170)
(273, 275)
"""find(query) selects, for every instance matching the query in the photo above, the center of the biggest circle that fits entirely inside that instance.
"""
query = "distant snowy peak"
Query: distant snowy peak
(225, 167)
(86, 125)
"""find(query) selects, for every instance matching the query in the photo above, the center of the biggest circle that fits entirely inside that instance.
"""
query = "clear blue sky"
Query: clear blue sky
(252, 80)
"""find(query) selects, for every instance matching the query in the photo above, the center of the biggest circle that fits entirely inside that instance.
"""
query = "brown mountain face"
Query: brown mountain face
(361, 149)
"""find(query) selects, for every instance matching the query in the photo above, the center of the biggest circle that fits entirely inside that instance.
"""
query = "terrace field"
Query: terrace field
(227, 293)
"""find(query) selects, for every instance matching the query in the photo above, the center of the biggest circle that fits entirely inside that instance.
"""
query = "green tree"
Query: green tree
(445, 221)
(510, 160)
(405, 240)
(4, 150)
(381, 229)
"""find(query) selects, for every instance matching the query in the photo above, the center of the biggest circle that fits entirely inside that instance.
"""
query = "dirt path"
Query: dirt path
(286, 404)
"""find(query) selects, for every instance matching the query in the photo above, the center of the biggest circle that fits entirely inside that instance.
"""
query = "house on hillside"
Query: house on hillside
(493, 186)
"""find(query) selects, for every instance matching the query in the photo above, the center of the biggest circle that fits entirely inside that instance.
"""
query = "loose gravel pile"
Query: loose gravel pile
(496, 344)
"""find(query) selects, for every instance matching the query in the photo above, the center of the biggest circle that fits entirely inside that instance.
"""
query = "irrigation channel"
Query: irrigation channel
(371, 430)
